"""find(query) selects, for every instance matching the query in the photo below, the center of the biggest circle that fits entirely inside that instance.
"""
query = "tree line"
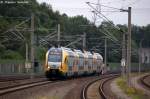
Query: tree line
(46, 21)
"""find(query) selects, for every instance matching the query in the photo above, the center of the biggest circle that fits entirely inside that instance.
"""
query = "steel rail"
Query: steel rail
(21, 87)
(144, 82)
(85, 88)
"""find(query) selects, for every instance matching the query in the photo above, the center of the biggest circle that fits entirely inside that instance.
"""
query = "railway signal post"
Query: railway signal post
(32, 45)
(123, 60)
(105, 51)
(84, 41)
(123, 67)
(128, 56)
(58, 35)
(140, 56)
(129, 48)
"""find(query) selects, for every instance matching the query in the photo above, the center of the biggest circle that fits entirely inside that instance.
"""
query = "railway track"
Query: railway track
(101, 92)
(10, 84)
(11, 89)
(145, 81)
(15, 77)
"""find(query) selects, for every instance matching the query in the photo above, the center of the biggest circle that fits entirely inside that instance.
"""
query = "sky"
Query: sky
(140, 10)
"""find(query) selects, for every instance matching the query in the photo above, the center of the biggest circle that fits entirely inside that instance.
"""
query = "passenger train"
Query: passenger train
(65, 62)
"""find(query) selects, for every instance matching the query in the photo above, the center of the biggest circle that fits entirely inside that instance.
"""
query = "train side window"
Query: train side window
(70, 60)
(81, 61)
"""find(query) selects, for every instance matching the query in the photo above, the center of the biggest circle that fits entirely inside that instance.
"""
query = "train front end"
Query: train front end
(54, 63)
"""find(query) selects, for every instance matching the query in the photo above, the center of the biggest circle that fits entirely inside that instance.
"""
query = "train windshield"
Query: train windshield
(55, 57)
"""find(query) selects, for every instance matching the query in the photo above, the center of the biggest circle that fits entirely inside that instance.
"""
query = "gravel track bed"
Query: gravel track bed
(55, 90)
(136, 82)
(19, 82)
(5, 78)
(147, 80)
(107, 89)
(38, 92)
(75, 93)
(141, 81)
(93, 91)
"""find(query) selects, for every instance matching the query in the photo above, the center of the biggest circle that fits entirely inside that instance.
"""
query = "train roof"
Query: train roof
(56, 49)
(66, 49)
(78, 52)
(89, 54)
(98, 56)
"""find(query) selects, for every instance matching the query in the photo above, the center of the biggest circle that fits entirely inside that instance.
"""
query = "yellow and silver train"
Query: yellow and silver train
(65, 62)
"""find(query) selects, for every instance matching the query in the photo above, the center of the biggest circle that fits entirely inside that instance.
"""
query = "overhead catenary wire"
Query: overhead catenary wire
(131, 3)
(23, 22)
(74, 42)
(20, 34)
(103, 16)
(16, 35)
(104, 6)
(11, 30)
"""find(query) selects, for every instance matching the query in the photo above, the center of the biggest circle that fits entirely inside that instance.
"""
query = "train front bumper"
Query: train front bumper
(54, 73)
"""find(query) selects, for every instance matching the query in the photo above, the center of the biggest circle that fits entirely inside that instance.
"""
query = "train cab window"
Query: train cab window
(54, 58)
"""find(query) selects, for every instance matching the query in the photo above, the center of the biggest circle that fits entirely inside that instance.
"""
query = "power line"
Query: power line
(132, 3)
(103, 16)
(105, 6)
(74, 42)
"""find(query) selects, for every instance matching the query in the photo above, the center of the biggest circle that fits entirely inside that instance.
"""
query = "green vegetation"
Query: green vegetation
(12, 47)
(11, 61)
(40, 52)
(130, 91)
(9, 54)
(114, 66)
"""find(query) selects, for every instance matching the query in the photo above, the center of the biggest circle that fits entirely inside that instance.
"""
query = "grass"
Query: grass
(130, 91)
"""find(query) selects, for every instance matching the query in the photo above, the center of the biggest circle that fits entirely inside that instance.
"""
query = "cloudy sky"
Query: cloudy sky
(140, 9)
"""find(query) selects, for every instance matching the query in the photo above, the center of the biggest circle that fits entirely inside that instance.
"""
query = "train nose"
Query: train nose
(54, 65)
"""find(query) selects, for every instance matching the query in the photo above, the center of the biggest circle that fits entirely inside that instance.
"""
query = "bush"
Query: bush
(130, 90)
(40, 52)
(9, 54)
